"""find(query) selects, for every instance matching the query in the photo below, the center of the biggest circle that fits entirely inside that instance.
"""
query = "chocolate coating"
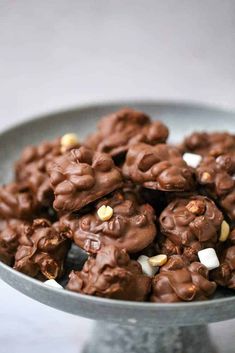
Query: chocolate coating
(10, 233)
(178, 281)
(190, 225)
(232, 237)
(215, 175)
(119, 130)
(111, 274)
(225, 274)
(17, 201)
(131, 227)
(209, 144)
(82, 176)
(159, 167)
(32, 168)
(41, 251)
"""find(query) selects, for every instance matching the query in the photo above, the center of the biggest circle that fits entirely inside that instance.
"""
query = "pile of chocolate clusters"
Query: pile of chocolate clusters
(155, 221)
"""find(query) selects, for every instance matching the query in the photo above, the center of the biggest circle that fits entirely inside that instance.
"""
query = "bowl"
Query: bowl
(123, 323)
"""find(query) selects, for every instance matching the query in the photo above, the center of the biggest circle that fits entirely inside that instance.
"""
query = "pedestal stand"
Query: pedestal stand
(112, 338)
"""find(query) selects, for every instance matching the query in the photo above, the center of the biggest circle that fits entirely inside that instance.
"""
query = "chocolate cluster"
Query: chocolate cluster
(81, 177)
(126, 127)
(224, 275)
(215, 175)
(32, 168)
(180, 281)
(209, 144)
(18, 201)
(10, 233)
(41, 250)
(111, 274)
(123, 214)
(189, 225)
(132, 226)
(159, 167)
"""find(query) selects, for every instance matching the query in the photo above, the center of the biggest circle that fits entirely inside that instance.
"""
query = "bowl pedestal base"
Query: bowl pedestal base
(112, 338)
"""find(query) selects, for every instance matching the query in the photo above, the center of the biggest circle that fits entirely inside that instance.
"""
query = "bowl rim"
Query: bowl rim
(114, 302)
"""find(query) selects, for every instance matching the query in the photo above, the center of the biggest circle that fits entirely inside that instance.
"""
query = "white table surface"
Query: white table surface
(60, 53)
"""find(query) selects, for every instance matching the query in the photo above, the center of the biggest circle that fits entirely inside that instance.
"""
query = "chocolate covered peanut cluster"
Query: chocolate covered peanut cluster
(216, 176)
(180, 281)
(32, 167)
(209, 144)
(190, 225)
(111, 274)
(224, 275)
(10, 233)
(41, 251)
(126, 127)
(82, 176)
(18, 201)
(119, 219)
(159, 167)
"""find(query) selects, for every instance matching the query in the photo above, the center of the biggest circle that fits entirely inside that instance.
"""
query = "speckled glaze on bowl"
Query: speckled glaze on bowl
(181, 119)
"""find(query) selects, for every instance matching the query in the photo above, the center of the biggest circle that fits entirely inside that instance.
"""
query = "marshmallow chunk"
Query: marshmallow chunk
(208, 258)
(193, 160)
(53, 283)
(147, 268)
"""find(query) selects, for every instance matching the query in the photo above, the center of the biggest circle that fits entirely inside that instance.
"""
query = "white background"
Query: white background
(54, 54)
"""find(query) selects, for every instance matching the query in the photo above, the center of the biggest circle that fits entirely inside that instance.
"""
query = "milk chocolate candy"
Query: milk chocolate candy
(10, 233)
(180, 281)
(131, 225)
(190, 225)
(119, 130)
(18, 201)
(32, 168)
(159, 167)
(42, 250)
(82, 176)
(111, 274)
(224, 275)
(216, 177)
(209, 144)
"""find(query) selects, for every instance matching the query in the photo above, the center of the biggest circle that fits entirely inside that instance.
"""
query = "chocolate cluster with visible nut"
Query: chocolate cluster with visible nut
(10, 233)
(159, 167)
(32, 167)
(216, 176)
(18, 201)
(131, 225)
(180, 281)
(82, 176)
(209, 144)
(190, 225)
(224, 275)
(118, 131)
(111, 274)
(41, 251)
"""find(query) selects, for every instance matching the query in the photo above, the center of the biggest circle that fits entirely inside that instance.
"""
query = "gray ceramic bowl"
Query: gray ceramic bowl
(182, 119)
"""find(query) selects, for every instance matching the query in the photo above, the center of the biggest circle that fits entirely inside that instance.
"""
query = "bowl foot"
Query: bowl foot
(111, 338)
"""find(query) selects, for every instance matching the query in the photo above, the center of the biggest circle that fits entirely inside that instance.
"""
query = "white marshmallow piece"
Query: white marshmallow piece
(53, 283)
(146, 267)
(193, 160)
(209, 258)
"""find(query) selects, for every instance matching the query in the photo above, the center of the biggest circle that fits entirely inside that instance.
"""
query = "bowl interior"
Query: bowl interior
(181, 119)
